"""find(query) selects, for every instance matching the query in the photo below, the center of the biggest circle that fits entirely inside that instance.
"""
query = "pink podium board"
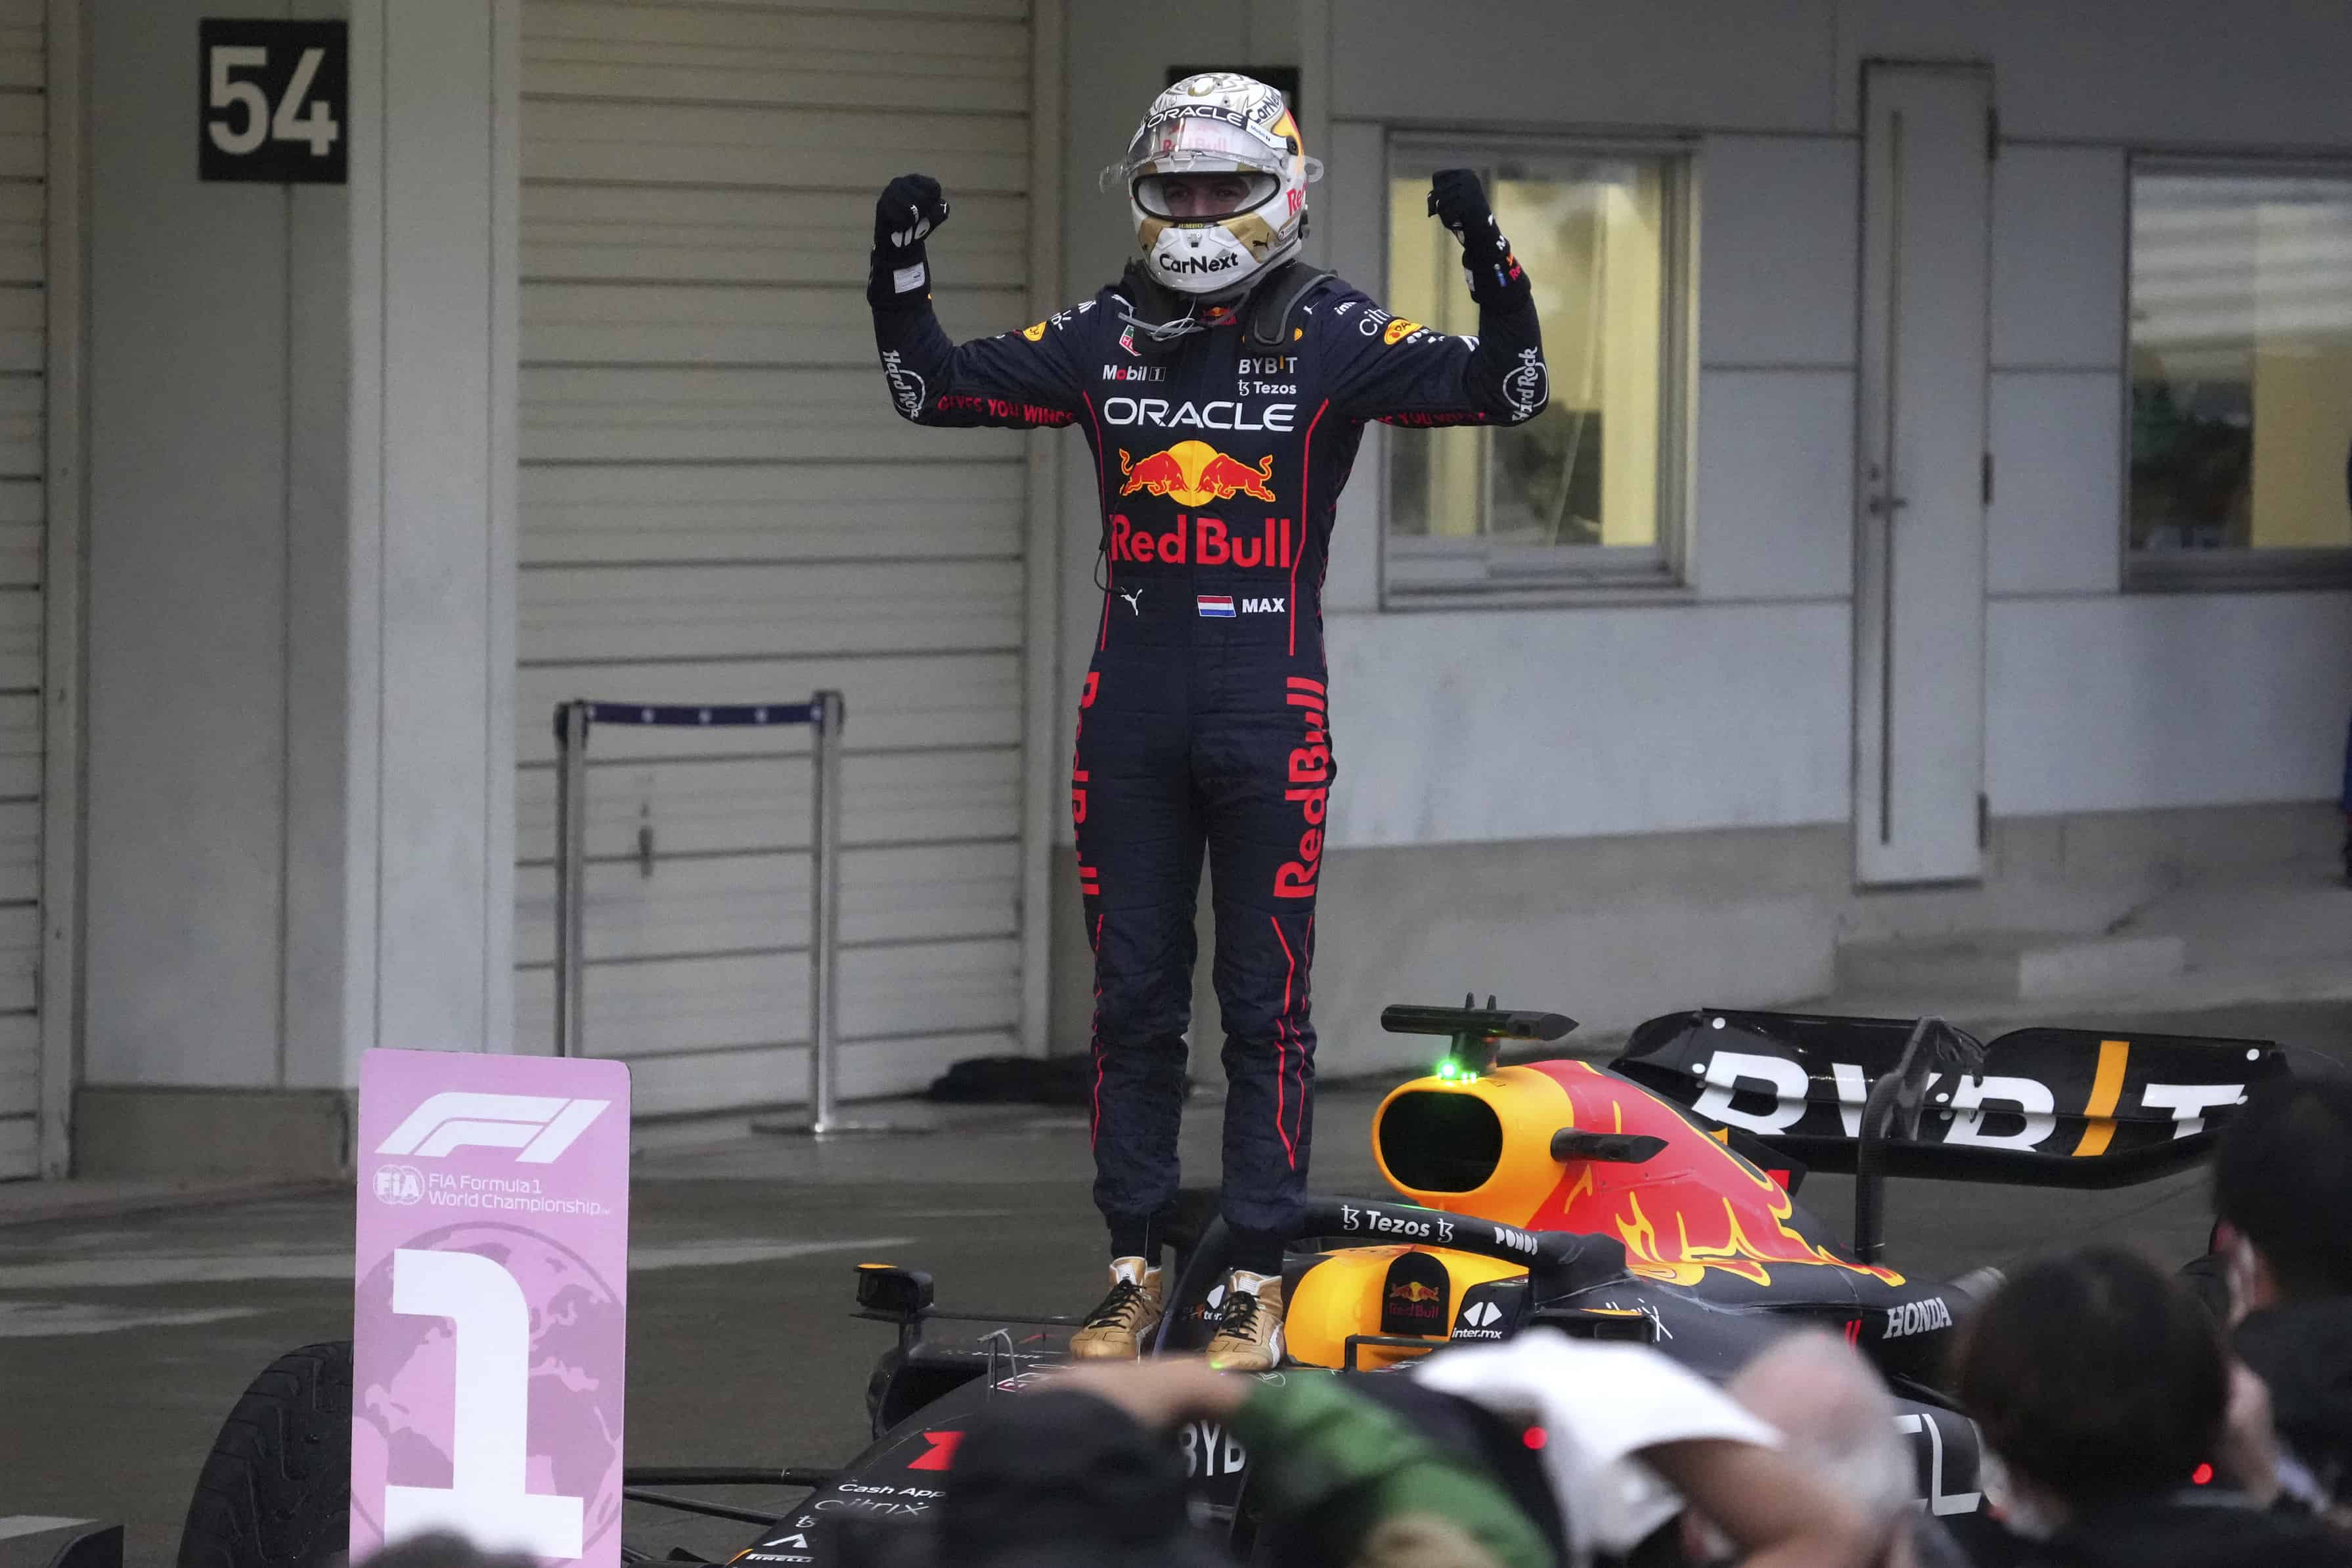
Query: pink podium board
(491, 1303)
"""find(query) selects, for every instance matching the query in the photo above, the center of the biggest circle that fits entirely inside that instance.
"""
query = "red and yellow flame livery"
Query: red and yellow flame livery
(1693, 1206)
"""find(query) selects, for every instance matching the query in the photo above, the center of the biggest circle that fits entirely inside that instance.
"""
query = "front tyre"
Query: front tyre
(276, 1491)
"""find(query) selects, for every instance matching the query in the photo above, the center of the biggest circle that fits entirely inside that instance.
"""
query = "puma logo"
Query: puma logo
(1134, 597)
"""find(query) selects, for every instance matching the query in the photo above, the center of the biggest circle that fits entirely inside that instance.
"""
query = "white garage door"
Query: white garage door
(720, 506)
(23, 308)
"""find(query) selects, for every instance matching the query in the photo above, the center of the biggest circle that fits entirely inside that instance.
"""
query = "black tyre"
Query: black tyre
(276, 1491)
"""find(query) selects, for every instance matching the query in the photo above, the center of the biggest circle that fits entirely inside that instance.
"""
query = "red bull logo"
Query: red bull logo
(1203, 541)
(1193, 473)
(1414, 1291)
(1310, 787)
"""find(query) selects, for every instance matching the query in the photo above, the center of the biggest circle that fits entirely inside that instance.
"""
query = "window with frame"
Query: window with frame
(2241, 466)
(1588, 493)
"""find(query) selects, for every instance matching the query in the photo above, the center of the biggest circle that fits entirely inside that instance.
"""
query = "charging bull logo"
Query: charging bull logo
(1192, 473)
(1414, 1295)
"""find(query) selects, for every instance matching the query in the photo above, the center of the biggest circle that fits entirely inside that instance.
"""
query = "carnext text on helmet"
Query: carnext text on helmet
(1215, 415)
(1222, 262)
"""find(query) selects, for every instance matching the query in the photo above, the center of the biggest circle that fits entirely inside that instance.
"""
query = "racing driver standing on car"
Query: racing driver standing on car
(1222, 386)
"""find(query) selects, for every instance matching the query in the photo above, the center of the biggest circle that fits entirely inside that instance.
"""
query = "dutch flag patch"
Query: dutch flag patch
(1220, 605)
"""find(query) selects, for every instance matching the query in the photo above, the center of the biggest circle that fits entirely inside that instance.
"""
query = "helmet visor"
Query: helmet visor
(1203, 196)
(1203, 138)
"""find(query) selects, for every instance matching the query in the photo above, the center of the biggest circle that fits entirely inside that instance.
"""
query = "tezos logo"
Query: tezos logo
(399, 1185)
(1917, 1317)
(1195, 266)
(540, 1125)
(1355, 1218)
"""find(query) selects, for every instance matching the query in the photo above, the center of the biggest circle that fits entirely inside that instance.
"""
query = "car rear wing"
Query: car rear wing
(2046, 1107)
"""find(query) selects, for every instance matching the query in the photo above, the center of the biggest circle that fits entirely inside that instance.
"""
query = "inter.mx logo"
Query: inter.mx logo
(540, 1125)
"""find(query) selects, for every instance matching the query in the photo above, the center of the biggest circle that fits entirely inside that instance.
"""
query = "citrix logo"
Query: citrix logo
(541, 1125)
(1195, 264)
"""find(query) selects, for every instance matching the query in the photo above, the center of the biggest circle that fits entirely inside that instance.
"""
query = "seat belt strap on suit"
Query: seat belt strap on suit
(1276, 305)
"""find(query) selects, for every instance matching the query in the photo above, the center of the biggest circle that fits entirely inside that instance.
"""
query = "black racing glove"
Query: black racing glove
(1459, 202)
(909, 208)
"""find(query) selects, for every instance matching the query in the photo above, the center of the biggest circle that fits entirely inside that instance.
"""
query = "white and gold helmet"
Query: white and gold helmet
(1218, 122)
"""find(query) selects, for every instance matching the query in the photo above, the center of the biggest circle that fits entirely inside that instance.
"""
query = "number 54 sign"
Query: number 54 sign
(273, 100)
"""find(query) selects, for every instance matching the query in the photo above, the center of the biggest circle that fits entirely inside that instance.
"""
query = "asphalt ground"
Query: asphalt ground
(124, 1340)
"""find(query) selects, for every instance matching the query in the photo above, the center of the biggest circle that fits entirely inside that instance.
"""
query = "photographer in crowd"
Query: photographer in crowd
(2103, 1390)
(2283, 1194)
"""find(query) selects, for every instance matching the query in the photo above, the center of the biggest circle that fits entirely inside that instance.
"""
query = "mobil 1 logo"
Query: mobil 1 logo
(273, 98)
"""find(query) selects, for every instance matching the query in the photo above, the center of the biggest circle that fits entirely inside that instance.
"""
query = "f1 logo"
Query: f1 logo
(541, 1125)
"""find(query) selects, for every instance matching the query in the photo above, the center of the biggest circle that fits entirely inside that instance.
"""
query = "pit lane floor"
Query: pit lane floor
(123, 1341)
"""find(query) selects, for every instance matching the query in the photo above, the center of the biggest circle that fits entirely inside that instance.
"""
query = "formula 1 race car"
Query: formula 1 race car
(1649, 1201)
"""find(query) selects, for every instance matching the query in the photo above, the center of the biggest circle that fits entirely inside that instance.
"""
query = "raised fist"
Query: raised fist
(1458, 200)
(910, 207)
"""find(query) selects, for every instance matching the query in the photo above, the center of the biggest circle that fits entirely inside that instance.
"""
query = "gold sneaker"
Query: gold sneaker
(1116, 1330)
(1249, 1324)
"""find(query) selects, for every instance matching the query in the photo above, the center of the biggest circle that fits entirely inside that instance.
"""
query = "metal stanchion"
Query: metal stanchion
(825, 919)
(825, 1120)
(571, 721)
(825, 714)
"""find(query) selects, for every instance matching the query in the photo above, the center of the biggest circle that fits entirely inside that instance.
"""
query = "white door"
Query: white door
(23, 168)
(1919, 592)
(718, 505)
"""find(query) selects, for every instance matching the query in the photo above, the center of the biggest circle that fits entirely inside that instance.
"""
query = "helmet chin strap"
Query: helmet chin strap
(1161, 300)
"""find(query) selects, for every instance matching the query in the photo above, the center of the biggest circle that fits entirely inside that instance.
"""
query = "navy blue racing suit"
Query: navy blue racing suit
(1205, 719)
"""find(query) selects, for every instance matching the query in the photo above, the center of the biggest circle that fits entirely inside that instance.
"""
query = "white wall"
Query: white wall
(2122, 702)
(2098, 700)
(188, 529)
(2258, 72)
(438, 535)
(302, 597)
